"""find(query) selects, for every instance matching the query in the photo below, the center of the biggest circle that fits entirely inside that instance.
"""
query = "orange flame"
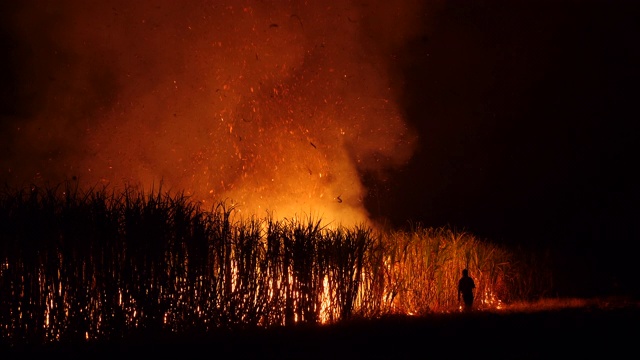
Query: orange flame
(277, 107)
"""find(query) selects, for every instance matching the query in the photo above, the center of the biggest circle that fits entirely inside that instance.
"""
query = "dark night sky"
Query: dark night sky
(527, 116)
(525, 112)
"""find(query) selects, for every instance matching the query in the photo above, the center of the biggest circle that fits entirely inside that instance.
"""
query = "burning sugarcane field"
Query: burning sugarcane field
(318, 179)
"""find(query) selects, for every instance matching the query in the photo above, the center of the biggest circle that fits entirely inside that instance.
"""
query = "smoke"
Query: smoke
(276, 106)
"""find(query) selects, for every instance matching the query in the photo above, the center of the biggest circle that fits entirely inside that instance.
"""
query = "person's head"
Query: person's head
(465, 272)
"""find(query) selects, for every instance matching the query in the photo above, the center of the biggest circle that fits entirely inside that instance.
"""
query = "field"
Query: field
(603, 328)
(112, 274)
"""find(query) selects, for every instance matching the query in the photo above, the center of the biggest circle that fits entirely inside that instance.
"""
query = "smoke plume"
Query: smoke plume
(276, 106)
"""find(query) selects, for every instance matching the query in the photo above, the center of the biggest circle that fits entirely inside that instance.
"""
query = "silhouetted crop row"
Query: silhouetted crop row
(98, 264)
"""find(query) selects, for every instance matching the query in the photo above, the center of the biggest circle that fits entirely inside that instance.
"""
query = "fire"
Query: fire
(277, 107)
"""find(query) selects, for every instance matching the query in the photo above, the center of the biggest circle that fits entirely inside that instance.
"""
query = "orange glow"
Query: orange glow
(275, 107)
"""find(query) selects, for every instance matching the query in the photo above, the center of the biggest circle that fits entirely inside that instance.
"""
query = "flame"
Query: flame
(276, 107)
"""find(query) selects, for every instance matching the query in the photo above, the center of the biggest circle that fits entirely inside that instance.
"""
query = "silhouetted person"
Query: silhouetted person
(465, 289)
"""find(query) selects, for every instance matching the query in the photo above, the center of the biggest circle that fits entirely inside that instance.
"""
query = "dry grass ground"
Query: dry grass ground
(548, 329)
(76, 245)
